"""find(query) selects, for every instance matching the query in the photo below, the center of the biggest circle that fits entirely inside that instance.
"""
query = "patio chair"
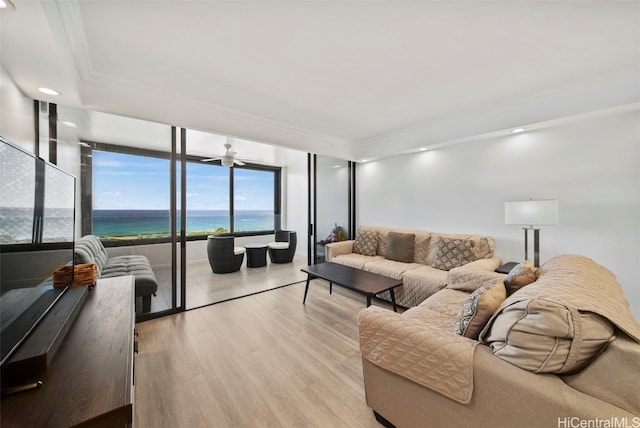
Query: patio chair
(284, 248)
(224, 256)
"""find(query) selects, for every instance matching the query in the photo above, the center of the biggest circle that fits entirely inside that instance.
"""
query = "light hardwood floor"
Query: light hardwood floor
(264, 360)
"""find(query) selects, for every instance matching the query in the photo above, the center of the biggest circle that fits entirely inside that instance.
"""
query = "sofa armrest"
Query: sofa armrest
(543, 400)
(489, 264)
(338, 248)
(410, 346)
(474, 275)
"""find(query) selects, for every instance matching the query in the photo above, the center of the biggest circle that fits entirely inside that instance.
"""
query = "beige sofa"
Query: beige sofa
(562, 351)
(421, 259)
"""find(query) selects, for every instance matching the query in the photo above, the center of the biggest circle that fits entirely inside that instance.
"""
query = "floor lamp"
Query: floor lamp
(532, 214)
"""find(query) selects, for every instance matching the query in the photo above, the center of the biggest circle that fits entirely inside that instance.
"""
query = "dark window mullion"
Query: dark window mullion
(38, 202)
(231, 201)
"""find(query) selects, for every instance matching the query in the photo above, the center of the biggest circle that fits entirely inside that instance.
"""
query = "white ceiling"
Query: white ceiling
(352, 79)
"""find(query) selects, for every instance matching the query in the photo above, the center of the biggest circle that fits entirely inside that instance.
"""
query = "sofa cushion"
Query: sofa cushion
(521, 275)
(470, 277)
(389, 268)
(425, 281)
(89, 249)
(354, 260)
(478, 308)
(400, 246)
(446, 302)
(547, 337)
(137, 265)
(421, 246)
(452, 252)
(366, 243)
(559, 323)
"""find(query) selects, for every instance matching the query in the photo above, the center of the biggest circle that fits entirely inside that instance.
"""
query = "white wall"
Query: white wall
(592, 166)
(16, 113)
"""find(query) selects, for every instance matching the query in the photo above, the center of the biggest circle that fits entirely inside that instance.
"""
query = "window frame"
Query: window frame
(86, 192)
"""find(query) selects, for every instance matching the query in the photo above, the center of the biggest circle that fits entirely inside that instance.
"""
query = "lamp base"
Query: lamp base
(536, 245)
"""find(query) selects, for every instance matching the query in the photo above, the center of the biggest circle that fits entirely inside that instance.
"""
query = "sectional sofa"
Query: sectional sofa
(561, 350)
(423, 260)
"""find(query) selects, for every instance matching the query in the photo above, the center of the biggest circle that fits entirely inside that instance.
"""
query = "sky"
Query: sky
(129, 182)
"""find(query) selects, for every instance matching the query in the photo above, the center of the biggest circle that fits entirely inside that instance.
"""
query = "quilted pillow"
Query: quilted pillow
(522, 274)
(478, 308)
(451, 253)
(366, 243)
(400, 246)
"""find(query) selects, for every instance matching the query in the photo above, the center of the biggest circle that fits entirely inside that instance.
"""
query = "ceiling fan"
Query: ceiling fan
(229, 158)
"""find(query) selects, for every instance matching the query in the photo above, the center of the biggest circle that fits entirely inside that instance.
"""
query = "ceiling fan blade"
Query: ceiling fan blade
(211, 159)
(237, 162)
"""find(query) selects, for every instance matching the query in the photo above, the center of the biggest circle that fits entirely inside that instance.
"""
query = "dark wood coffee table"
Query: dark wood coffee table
(363, 282)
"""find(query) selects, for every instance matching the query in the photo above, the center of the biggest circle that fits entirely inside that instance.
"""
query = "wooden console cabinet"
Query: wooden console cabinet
(90, 380)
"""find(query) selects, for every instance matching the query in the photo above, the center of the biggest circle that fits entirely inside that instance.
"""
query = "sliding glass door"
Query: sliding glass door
(333, 203)
(126, 187)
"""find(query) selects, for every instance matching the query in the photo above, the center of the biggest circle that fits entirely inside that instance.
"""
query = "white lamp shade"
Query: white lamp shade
(542, 212)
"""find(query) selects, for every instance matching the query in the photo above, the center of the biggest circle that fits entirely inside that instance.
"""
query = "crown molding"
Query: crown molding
(608, 90)
(65, 17)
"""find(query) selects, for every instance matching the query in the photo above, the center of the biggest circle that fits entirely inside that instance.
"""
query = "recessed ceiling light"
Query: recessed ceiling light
(49, 91)
(518, 130)
(69, 124)
(363, 160)
(6, 4)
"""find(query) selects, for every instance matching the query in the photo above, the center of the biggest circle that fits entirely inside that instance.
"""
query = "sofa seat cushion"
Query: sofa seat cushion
(424, 281)
(145, 279)
(273, 246)
(446, 302)
(417, 285)
(390, 268)
(355, 260)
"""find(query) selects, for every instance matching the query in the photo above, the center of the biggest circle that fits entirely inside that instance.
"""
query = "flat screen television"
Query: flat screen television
(37, 233)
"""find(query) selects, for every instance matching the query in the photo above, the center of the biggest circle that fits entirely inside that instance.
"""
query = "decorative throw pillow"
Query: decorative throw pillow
(522, 274)
(366, 243)
(452, 253)
(476, 311)
(400, 246)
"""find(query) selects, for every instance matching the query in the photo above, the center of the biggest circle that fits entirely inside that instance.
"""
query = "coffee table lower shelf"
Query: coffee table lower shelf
(360, 281)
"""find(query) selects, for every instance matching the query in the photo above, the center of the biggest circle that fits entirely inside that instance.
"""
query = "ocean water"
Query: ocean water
(117, 223)
(16, 225)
